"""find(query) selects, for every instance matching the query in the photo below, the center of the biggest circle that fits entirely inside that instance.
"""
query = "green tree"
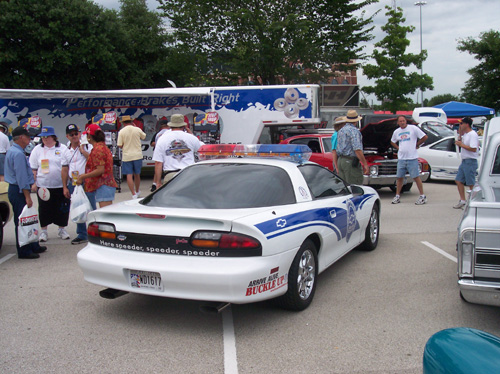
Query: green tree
(392, 82)
(269, 41)
(440, 99)
(60, 44)
(483, 87)
(147, 48)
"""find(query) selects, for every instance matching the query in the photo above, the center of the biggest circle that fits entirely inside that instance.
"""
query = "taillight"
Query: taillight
(214, 239)
(102, 230)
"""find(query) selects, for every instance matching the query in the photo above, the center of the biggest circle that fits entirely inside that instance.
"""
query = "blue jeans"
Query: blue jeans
(132, 167)
(410, 166)
(81, 228)
(103, 193)
(467, 171)
(18, 201)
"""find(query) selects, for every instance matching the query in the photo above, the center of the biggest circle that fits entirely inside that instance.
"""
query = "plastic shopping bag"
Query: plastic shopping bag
(29, 227)
(80, 205)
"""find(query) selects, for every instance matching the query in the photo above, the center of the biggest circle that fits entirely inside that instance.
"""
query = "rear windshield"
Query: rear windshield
(225, 186)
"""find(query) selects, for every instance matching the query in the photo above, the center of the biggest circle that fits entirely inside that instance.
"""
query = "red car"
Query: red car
(381, 157)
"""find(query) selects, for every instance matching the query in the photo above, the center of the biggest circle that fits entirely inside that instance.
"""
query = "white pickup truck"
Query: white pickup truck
(479, 229)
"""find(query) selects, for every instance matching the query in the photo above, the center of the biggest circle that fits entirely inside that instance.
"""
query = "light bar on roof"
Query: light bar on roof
(298, 153)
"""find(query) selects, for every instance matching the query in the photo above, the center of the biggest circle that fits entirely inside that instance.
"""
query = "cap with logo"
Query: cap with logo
(72, 127)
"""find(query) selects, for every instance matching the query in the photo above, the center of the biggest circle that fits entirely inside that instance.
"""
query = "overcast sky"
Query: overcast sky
(444, 22)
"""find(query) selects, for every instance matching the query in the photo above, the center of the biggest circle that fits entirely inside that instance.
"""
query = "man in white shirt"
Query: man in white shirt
(174, 150)
(469, 151)
(408, 139)
(4, 144)
(74, 161)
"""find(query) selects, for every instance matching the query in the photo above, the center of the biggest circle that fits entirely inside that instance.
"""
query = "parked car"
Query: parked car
(461, 350)
(443, 158)
(478, 242)
(243, 227)
(380, 155)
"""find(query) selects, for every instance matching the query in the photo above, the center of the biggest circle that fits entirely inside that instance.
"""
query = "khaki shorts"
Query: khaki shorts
(169, 175)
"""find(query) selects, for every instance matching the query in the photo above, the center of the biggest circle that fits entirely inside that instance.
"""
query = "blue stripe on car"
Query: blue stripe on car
(334, 218)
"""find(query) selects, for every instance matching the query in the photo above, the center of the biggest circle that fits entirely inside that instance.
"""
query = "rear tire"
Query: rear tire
(407, 187)
(301, 279)
(372, 231)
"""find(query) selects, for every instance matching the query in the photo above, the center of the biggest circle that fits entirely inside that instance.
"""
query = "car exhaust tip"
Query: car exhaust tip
(214, 308)
(111, 293)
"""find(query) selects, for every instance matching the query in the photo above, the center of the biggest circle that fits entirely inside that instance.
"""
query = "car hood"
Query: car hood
(377, 136)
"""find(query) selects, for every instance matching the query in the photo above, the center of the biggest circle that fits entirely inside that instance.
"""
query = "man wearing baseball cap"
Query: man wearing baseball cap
(73, 165)
(469, 146)
(20, 178)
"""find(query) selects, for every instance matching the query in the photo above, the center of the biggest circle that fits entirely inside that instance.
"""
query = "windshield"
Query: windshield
(225, 186)
(437, 129)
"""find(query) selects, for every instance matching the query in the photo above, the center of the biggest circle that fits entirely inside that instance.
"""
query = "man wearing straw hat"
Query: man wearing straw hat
(174, 150)
(351, 160)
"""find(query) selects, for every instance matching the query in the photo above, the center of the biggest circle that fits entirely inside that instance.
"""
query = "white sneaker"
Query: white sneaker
(422, 199)
(396, 200)
(134, 196)
(459, 205)
(43, 236)
(138, 194)
(63, 234)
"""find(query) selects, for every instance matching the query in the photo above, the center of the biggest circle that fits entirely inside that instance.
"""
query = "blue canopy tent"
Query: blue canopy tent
(457, 109)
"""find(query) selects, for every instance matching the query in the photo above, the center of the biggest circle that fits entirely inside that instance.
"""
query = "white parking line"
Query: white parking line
(230, 360)
(6, 258)
(440, 251)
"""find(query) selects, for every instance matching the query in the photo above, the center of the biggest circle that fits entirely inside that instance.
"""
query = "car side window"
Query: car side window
(322, 182)
(327, 144)
(441, 146)
(496, 164)
(451, 145)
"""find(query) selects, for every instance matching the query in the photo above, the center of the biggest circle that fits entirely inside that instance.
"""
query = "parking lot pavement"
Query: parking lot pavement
(372, 312)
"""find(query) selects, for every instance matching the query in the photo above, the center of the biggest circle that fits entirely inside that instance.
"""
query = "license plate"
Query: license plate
(145, 280)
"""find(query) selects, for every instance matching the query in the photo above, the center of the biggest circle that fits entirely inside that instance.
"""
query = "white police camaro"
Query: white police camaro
(235, 228)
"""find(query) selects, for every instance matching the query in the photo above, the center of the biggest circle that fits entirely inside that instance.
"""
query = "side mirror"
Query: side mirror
(356, 190)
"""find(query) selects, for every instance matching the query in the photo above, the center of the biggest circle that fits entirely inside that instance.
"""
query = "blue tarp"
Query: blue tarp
(457, 109)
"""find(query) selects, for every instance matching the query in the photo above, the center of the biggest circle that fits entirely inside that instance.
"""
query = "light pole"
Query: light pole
(421, 4)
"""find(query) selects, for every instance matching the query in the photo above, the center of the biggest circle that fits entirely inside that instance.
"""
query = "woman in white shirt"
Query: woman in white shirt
(4, 143)
(46, 160)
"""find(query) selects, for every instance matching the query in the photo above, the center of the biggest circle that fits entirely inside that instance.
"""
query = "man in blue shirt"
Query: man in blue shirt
(339, 123)
(20, 178)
